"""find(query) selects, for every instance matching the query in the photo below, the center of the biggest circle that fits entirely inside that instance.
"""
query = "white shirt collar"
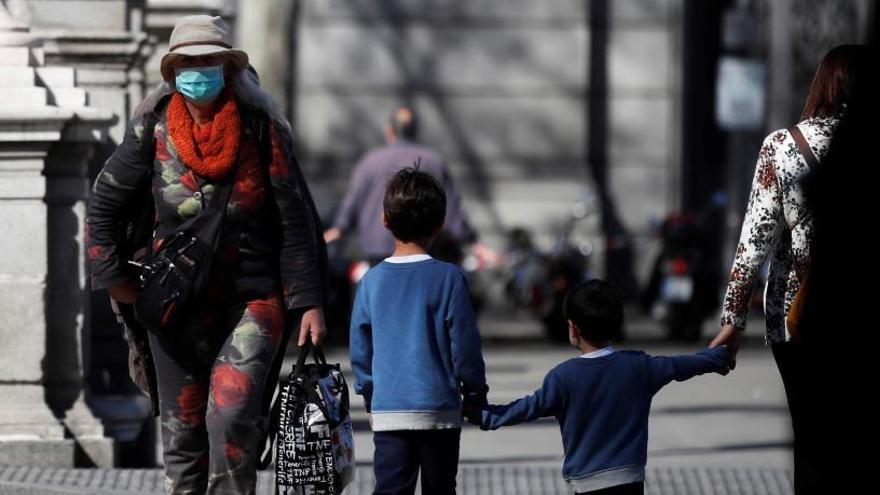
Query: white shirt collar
(599, 353)
(412, 258)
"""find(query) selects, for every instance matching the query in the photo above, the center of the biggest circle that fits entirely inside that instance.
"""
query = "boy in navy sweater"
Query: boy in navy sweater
(415, 348)
(602, 398)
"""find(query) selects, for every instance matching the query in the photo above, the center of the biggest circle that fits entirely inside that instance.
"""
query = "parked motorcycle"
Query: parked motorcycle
(540, 280)
(682, 291)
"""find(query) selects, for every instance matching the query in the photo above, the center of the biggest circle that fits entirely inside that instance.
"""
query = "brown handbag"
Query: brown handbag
(793, 318)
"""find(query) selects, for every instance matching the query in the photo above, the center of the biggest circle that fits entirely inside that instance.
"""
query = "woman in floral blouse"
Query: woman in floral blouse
(779, 225)
(214, 370)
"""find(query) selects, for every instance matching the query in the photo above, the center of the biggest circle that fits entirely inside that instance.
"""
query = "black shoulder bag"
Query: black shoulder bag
(176, 273)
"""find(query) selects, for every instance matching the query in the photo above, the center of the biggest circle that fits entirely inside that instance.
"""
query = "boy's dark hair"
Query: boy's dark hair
(596, 310)
(414, 204)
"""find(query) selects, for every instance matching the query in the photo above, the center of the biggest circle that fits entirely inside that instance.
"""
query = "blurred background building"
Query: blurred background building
(537, 106)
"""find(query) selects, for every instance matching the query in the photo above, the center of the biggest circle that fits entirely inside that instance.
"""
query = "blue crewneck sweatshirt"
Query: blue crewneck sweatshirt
(602, 406)
(415, 348)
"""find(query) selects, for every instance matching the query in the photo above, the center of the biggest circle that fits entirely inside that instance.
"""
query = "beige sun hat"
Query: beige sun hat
(196, 35)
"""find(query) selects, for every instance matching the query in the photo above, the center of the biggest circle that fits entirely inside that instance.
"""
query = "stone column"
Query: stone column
(44, 149)
(96, 37)
(104, 41)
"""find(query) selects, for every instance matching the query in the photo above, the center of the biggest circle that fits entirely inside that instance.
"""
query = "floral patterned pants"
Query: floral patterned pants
(212, 375)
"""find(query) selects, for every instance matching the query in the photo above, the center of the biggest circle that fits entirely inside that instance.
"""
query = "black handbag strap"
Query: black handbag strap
(304, 351)
(804, 147)
(222, 193)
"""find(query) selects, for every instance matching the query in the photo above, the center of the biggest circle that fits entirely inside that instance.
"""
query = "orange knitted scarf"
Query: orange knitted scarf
(208, 149)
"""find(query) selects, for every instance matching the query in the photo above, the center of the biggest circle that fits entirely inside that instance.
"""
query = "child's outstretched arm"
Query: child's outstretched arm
(546, 401)
(664, 369)
(467, 353)
(361, 348)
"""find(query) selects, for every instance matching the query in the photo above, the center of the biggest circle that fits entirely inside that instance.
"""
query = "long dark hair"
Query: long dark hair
(834, 83)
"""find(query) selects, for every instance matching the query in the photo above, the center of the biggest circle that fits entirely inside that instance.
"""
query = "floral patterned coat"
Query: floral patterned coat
(777, 224)
(271, 236)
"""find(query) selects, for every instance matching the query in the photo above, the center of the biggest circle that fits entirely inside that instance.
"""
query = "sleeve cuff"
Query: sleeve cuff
(302, 301)
(737, 321)
(478, 398)
(485, 420)
(720, 354)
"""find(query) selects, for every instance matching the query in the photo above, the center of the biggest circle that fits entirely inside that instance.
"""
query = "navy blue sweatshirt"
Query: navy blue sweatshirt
(602, 406)
(415, 348)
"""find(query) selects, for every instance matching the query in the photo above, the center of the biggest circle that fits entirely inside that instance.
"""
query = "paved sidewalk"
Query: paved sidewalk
(711, 436)
(473, 479)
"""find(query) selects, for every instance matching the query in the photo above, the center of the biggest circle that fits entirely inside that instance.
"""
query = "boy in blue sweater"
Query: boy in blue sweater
(415, 348)
(602, 398)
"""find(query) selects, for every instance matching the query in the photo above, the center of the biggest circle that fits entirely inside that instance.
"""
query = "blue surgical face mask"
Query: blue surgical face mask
(200, 84)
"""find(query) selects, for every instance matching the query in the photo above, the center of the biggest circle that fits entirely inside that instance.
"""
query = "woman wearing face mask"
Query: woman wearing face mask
(214, 370)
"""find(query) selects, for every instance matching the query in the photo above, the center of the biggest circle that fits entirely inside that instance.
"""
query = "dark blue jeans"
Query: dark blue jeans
(400, 455)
